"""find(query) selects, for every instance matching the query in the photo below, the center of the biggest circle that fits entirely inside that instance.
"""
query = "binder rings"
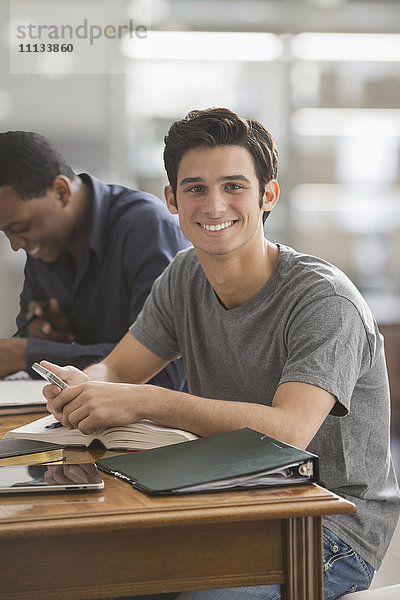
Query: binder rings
(242, 458)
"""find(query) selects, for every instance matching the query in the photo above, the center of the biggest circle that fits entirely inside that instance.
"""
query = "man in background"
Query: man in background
(93, 252)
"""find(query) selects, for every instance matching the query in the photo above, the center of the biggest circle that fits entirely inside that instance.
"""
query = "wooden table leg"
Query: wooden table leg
(304, 576)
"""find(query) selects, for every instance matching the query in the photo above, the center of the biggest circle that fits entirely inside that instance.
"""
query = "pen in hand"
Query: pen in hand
(30, 316)
(28, 319)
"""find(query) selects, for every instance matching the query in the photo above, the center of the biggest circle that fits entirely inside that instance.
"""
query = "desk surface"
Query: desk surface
(119, 540)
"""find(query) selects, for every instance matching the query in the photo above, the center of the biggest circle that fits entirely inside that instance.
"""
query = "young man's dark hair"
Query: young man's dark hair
(30, 163)
(219, 127)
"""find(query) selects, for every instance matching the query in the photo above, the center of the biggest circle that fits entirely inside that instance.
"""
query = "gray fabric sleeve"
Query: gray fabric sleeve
(154, 327)
(328, 347)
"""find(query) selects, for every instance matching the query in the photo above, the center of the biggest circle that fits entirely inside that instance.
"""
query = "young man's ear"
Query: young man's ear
(170, 200)
(271, 195)
(62, 189)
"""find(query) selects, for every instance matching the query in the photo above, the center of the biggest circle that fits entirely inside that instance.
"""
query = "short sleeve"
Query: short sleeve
(328, 347)
(154, 327)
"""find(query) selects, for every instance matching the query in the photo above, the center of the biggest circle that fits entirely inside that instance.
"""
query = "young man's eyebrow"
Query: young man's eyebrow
(187, 180)
(234, 178)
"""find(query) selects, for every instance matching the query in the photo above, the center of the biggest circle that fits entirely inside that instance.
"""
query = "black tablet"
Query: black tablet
(49, 478)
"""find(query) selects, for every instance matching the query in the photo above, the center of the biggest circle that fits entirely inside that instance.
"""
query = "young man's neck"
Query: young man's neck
(238, 277)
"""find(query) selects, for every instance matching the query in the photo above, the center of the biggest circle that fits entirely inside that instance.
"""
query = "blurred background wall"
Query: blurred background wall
(323, 75)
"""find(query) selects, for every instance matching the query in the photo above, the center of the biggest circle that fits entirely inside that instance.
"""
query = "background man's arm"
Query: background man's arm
(51, 334)
(13, 353)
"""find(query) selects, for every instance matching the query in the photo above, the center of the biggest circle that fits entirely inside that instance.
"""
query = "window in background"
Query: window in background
(345, 131)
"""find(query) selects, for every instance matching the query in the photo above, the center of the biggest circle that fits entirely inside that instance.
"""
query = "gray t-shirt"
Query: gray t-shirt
(309, 324)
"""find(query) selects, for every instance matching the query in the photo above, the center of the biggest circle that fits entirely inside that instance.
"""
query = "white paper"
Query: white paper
(21, 392)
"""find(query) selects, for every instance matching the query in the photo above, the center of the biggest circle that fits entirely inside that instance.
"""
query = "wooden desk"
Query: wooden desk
(120, 541)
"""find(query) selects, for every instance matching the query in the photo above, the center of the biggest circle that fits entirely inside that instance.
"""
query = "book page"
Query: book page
(284, 476)
(38, 430)
(143, 434)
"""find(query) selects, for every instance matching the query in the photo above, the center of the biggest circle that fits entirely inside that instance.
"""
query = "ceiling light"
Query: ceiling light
(346, 46)
(204, 45)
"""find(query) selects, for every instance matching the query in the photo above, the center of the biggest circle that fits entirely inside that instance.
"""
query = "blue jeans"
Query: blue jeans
(344, 572)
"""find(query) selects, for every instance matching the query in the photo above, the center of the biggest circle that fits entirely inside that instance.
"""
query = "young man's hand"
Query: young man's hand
(93, 404)
(71, 376)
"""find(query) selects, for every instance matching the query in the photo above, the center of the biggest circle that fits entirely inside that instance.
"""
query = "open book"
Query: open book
(138, 436)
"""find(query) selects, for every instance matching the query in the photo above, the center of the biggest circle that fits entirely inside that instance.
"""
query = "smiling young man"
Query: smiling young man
(93, 251)
(271, 339)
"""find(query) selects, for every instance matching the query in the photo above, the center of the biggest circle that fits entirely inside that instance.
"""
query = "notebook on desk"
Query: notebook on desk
(236, 459)
(20, 394)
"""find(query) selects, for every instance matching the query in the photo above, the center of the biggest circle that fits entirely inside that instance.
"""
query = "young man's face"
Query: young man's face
(40, 226)
(218, 199)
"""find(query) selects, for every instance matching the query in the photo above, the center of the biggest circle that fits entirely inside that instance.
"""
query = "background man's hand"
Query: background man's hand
(13, 355)
(51, 323)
